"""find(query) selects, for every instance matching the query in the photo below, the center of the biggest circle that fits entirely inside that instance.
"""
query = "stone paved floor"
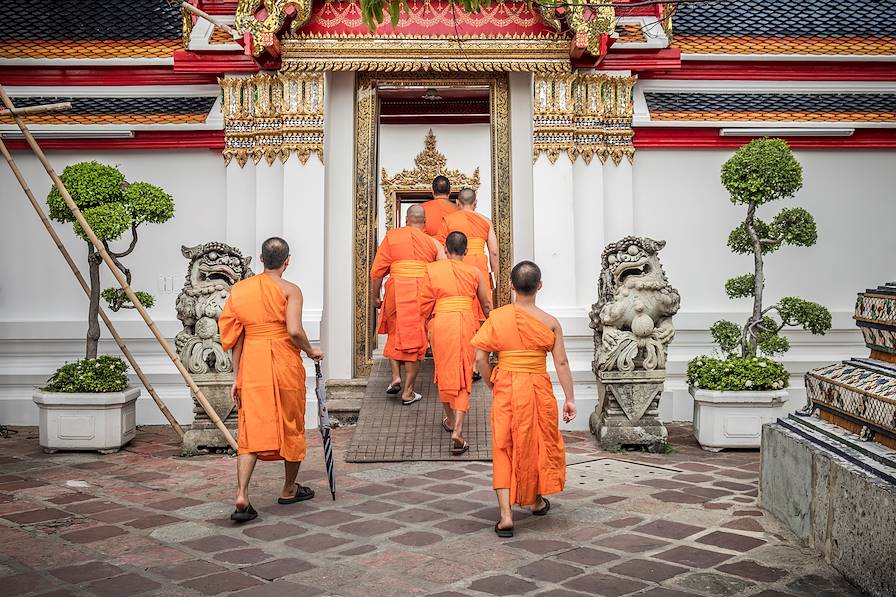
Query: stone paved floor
(147, 522)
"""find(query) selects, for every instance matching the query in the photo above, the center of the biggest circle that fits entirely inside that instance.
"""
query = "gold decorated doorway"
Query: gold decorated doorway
(368, 194)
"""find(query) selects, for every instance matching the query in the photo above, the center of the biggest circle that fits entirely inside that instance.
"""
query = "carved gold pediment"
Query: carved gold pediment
(428, 164)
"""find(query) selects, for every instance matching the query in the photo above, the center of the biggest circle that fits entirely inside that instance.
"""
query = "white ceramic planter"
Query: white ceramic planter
(103, 422)
(734, 419)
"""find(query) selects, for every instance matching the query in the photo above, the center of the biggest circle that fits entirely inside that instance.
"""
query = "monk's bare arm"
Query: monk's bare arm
(484, 366)
(235, 356)
(493, 249)
(482, 291)
(564, 373)
(376, 284)
(427, 298)
(440, 250)
(294, 326)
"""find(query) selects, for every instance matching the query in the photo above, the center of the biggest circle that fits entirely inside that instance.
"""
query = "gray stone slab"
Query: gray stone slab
(184, 531)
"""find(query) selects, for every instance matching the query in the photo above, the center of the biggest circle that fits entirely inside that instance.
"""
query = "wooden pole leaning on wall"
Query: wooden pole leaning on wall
(128, 291)
(74, 267)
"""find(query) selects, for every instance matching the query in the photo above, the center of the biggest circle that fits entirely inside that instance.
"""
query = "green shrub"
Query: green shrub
(736, 374)
(102, 374)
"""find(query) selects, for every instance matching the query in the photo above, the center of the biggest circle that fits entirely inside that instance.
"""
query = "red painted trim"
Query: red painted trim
(708, 137)
(442, 119)
(100, 75)
(140, 140)
(635, 60)
(219, 7)
(749, 70)
(216, 62)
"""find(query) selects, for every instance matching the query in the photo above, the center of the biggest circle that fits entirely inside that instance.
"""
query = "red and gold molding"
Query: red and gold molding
(88, 49)
(213, 140)
(755, 44)
(765, 70)
(734, 116)
(710, 138)
(125, 119)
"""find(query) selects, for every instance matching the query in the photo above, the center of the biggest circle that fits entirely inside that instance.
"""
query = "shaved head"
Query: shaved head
(274, 252)
(466, 196)
(441, 186)
(416, 216)
(525, 278)
(456, 243)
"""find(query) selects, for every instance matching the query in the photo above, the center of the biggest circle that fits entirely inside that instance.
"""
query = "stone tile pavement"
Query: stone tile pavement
(145, 521)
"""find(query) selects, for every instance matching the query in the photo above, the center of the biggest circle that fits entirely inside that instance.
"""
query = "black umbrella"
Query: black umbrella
(324, 425)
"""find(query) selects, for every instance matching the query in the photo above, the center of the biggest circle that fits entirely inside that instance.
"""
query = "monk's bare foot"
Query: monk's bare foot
(506, 522)
(538, 505)
(242, 502)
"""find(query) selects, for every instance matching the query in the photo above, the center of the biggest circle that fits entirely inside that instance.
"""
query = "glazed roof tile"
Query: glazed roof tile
(783, 107)
(792, 27)
(88, 29)
(119, 110)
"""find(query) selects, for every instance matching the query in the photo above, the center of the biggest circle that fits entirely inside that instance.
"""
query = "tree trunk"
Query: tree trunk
(749, 340)
(93, 322)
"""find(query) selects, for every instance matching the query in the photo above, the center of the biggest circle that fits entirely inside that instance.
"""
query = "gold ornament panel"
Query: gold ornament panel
(428, 164)
(264, 31)
(365, 224)
(272, 116)
(583, 114)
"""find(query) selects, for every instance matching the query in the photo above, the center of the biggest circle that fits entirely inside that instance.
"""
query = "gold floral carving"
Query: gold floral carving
(365, 225)
(273, 116)
(263, 31)
(428, 164)
(600, 20)
(583, 114)
(432, 54)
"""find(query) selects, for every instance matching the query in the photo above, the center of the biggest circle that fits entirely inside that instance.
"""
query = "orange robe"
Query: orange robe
(403, 255)
(436, 210)
(271, 377)
(475, 227)
(449, 293)
(528, 455)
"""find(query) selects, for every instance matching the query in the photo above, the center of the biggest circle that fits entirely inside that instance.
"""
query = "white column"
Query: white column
(521, 165)
(619, 200)
(588, 214)
(268, 201)
(303, 228)
(339, 130)
(240, 191)
(554, 239)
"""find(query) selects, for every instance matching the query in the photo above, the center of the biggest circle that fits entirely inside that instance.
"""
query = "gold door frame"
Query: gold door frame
(366, 178)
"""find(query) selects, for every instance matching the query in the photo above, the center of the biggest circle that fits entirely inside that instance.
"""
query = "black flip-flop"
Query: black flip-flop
(302, 494)
(503, 533)
(244, 515)
(476, 376)
(544, 509)
(445, 425)
(455, 451)
(393, 388)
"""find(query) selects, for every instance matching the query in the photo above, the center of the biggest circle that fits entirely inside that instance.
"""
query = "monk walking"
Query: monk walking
(528, 457)
(450, 290)
(439, 206)
(262, 323)
(403, 256)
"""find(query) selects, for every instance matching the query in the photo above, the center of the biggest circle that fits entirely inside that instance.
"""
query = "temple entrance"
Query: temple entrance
(400, 116)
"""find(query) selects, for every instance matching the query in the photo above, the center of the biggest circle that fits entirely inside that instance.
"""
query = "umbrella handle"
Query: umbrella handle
(317, 371)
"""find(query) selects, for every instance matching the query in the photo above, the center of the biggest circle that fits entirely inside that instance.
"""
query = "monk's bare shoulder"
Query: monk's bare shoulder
(289, 289)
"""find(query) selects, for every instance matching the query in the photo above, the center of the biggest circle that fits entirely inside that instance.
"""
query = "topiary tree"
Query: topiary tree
(112, 207)
(762, 171)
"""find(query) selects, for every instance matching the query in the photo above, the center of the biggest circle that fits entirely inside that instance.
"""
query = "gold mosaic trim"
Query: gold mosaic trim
(264, 32)
(583, 114)
(426, 54)
(273, 116)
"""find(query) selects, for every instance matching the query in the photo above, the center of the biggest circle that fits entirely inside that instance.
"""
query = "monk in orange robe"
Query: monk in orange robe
(439, 206)
(480, 234)
(403, 256)
(528, 457)
(262, 323)
(450, 289)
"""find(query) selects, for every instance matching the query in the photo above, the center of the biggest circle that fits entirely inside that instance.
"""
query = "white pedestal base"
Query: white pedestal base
(734, 419)
(103, 422)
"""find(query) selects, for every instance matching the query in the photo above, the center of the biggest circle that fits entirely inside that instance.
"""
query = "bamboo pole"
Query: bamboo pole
(74, 267)
(216, 22)
(37, 109)
(101, 249)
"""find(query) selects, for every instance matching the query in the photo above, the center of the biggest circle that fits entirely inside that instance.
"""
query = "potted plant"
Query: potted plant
(88, 405)
(735, 395)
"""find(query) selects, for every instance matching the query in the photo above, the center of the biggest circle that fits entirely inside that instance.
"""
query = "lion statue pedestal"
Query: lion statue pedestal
(632, 322)
(213, 270)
